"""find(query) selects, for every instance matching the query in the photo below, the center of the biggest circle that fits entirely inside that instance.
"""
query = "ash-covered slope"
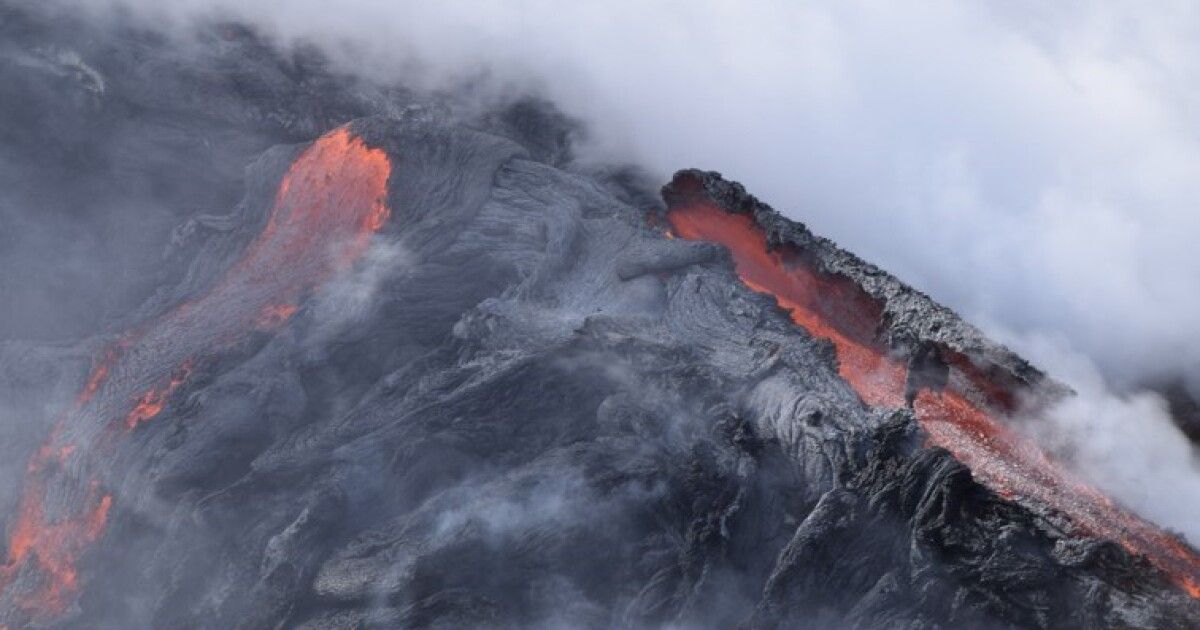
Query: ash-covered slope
(525, 405)
(513, 393)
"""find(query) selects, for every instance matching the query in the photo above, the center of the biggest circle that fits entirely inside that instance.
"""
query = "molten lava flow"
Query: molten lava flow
(807, 296)
(330, 202)
(93, 383)
(837, 310)
(273, 315)
(153, 401)
(53, 546)
(1001, 459)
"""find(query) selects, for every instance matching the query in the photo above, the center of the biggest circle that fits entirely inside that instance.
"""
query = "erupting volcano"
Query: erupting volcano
(546, 393)
(963, 415)
(328, 205)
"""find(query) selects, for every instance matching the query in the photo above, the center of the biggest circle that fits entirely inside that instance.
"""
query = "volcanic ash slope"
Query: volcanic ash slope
(527, 405)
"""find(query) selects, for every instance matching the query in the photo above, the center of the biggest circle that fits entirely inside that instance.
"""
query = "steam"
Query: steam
(1126, 445)
(349, 298)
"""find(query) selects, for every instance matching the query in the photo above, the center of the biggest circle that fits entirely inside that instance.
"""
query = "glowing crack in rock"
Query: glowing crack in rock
(329, 203)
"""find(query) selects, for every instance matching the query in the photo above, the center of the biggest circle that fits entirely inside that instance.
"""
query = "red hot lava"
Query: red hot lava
(153, 401)
(273, 315)
(836, 309)
(330, 202)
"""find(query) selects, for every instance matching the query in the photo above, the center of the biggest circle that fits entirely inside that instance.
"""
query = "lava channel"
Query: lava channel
(329, 203)
(836, 309)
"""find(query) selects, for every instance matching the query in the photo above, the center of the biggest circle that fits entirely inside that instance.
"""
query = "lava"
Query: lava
(152, 402)
(837, 310)
(48, 544)
(93, 383)
(817, 303)
(273, 315)
(330, 202)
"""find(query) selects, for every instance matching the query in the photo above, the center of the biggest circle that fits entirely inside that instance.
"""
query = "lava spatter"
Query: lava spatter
(837, 310)
(329, 203)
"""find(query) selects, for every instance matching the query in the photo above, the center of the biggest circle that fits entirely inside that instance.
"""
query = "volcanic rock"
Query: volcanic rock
(524, 404)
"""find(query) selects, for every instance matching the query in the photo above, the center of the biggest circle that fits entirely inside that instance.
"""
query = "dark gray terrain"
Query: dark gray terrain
(524, 406)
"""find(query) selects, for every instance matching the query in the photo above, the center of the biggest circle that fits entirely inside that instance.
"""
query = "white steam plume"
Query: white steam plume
(1126, 445)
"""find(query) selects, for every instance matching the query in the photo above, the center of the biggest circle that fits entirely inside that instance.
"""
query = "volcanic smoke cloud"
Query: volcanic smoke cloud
(413, 358)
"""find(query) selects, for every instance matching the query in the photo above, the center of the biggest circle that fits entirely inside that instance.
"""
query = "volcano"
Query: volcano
(430, 370)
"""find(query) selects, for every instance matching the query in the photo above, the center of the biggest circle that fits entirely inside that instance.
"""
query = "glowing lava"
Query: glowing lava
(824, 306)
(275, 314)
(836, 309)
(153, 401)
(330, 202)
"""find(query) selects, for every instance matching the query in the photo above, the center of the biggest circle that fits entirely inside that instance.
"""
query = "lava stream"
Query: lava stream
(330, 202)
(837, 310)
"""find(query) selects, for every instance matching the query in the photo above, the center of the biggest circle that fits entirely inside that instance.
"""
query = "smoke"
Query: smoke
(351, 297)
(1125, 444)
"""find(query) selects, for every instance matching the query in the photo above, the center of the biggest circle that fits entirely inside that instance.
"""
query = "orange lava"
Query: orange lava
(273, 315)
(329, 203)
(808, 297)
(49, 545)
(93, 383)
(152, 402)
(334, 196)
(837, 310)
(1005, 461)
